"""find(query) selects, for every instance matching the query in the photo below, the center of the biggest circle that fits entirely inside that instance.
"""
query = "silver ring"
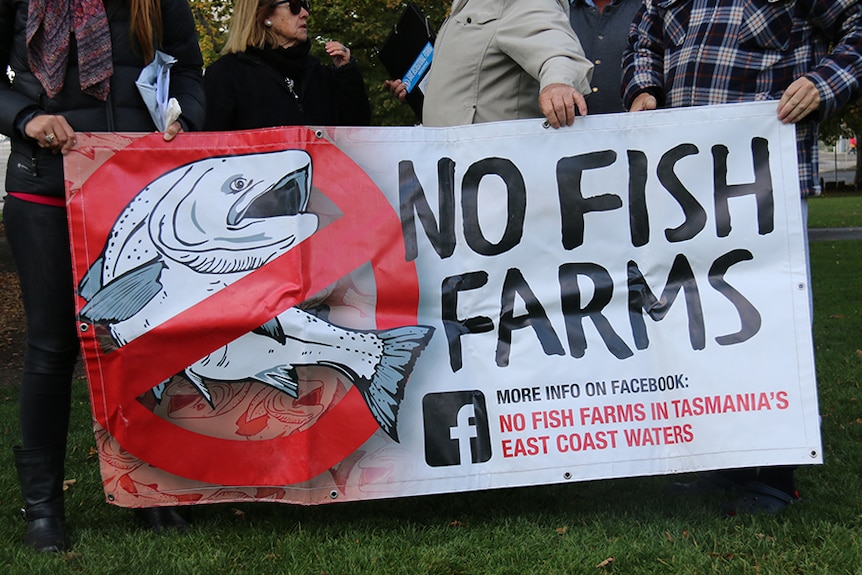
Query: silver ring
(50, 138)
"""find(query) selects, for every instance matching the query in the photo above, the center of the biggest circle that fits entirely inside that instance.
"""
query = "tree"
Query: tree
(211, 20)
(361, 25)
(848, 124)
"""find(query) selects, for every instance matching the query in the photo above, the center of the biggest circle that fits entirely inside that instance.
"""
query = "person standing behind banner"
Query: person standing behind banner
(73, 68)
(268, 78)
(806, 55)
(505, 60)
(602, 26)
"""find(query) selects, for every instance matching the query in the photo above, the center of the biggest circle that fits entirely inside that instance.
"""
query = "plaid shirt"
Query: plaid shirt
(700, 52)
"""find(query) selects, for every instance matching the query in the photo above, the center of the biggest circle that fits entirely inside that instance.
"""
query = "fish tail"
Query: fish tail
(384, 391)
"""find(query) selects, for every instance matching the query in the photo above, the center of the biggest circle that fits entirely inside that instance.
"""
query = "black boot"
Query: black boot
(40, 472)
(161, 518)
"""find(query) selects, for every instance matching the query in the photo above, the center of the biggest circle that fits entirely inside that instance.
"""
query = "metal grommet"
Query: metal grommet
(84, 327)
(333, 494)
(318, 133)
(567, 475)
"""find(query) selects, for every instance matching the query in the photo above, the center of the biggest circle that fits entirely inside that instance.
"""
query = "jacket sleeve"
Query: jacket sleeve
(838, 76)
(353, 106)
(181, 41)
(537, 35)
(11, 103)
(643, 59)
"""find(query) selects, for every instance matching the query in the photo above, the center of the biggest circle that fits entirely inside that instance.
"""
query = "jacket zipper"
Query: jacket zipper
(290, 84)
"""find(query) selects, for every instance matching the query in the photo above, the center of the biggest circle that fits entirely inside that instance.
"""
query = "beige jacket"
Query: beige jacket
(493, 57)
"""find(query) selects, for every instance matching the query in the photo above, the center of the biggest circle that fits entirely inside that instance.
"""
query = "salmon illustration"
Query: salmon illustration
(201, 227)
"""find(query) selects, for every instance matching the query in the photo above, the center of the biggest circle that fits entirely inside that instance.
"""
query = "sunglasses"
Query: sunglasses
(296, 6)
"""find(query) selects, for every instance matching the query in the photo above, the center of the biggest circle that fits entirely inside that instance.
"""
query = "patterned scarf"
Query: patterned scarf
(50, 25)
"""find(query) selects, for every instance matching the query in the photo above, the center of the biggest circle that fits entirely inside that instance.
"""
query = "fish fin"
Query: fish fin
(125, 296)
(92, 281)
(199, 384)
(273, 329)
(283, 378)
(385, 390)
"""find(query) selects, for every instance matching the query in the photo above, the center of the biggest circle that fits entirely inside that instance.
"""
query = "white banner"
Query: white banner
(624, 297)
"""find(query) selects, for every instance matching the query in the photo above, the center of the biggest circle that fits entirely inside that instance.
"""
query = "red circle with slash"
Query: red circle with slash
(368, 231)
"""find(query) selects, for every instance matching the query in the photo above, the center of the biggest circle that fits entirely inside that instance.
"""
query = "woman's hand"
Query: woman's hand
(51, 132)
(172, 130)
(339, 52)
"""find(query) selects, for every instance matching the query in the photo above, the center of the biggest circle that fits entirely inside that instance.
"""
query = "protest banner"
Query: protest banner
(312, 315)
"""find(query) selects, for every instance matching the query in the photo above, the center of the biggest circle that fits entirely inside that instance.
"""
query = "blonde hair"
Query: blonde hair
(146, 25)
(247, 28)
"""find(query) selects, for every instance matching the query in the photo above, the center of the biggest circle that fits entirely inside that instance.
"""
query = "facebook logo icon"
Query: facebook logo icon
(456, 428)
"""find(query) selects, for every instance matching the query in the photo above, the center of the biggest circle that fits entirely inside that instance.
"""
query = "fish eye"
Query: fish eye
(238, 184)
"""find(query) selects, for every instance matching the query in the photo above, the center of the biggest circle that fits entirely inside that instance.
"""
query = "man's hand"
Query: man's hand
(799, 99)
(643, 101)
(51, 132)
(560, 103)
(397, 87)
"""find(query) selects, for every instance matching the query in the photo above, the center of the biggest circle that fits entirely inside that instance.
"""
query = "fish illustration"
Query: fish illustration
(200, 227)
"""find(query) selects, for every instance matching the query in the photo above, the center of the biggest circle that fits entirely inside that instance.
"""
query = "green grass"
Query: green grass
(562, 529)
(835, 211)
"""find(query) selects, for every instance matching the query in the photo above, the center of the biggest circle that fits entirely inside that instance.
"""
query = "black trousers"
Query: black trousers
(39, 238)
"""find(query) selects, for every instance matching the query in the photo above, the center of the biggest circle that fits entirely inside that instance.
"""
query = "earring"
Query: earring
(268, 23)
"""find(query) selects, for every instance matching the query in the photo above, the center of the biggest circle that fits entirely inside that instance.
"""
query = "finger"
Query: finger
(65, 135)
(581, 104)
(50, 138)
(792, 111)
(643, 103)
(68, 145)
(567, 113)
(172, 130)
(553, 117)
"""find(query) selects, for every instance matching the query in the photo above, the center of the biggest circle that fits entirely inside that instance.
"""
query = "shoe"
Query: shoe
(161, 518)
(40, 473)
(705, 484)
(760, 498)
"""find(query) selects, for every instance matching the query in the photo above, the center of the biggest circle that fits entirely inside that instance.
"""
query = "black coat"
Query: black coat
(35, 170)
(244, 93)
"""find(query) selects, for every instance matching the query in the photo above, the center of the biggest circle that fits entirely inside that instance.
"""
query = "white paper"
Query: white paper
(154, 85)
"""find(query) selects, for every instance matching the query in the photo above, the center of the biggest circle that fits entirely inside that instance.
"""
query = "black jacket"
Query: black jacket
(34, 170)
(244, 93)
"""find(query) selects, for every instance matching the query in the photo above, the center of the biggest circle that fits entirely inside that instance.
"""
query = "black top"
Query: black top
(283, 87)
(36, 170)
